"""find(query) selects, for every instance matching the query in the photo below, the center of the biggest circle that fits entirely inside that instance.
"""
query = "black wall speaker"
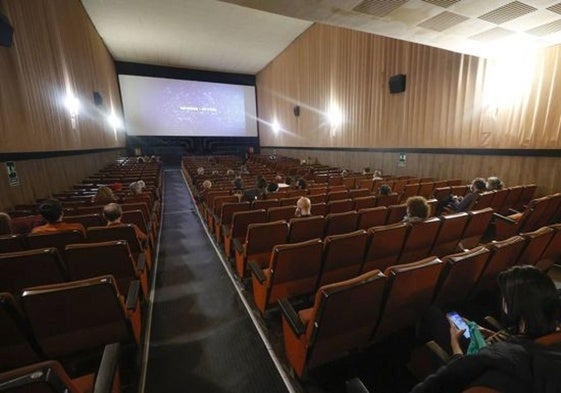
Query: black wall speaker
(6, 31)
(296, 110)
(397, 83)
(98, 98)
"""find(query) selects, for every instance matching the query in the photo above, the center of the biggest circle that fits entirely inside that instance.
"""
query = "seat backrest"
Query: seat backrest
(410, 190)
(484, 200)
(459, 275)
(262, 237)
(384, 246)
(511, 199)
(87, 220)
(477, 224)
(396, 213)
(425, 189)
(66, 321)
(536, 208)
(19, 270)
(337, 195)
(16, 347)
(44, 377)
(449, 234)
(59, 240)
(550, 213)
(340, 206)
(219, 201)
(419, 240)
(528, 191)
(459, 189)
(228, 210)
(553, 250)
(504, 255)
(364, 202)
(441, 193)
(399, 186)
(335, 328)
(306, 228)
(241, 220)
(338, 223)
(359, 193)
(536, 243)
(96, 209)
(124, 232)
(365, 183)
(499, 199)
(142, 206)
(387, 200)
(264, 203)
(290, 201)
(409, 292)
(100, 259)
(280, 213)
(371, 217)
(343, 256)
(137, 218)
(12, 243)
(320, 209)
(318, 198)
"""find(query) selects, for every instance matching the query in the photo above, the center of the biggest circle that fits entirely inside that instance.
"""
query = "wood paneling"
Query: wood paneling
(42, 177)
(56, 50)
(451, 100)
(544, 171)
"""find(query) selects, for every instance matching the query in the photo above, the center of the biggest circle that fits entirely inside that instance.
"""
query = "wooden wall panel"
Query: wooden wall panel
(452, 100)
(42, 177)
(56, 50)
(513, 170)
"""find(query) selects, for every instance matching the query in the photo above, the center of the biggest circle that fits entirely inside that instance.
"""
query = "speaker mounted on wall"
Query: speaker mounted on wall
(397, 83)
(296, 110)
(6, 32)
(98, 98)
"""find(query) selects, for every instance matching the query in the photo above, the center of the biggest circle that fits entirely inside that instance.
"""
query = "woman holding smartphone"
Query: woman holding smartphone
(529, 360)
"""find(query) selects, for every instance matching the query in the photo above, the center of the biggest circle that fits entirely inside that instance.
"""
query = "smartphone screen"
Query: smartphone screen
(459, 322)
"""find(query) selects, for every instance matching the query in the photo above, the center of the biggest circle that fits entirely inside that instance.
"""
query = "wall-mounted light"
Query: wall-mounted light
(114, 121)
(334, 116)
(72, 104)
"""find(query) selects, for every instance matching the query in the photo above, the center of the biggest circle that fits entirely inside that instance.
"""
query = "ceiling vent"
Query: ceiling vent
(546, 29)
(379, 8)
(442, 3)
(443, 21)
(494, 34)
(555, 8)
(507, 12)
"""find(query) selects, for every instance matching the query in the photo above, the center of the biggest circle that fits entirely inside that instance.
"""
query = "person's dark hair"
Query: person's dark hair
(289, 180)
(261, 183)
(51, 210)
(272, 187)
(531, 300)
(301, 184)
(112, 211)
(385, 189)
(494, 183)
(238, 183)
(417, 206)
(479, 184)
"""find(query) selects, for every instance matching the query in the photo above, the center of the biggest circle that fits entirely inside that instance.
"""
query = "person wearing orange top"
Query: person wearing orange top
(113, 213)
(51, 210)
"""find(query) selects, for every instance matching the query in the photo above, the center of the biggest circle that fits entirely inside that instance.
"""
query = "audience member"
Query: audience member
(5, 224)
(205, 187)
(230, 172)
(417, 209)
(117, 186)
(494, 183)
(344, 173)
(303, 207)
(530, 311)
(301, 184)
(103, 196)
(272, 188)
(377, 175)
(461, 204)
(366, 170)
(255, 193)
(52, 212)
(113, 213)
(200, 171)
(384, 189)
(137, 187)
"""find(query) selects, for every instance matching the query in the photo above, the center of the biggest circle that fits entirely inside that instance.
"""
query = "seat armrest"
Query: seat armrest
(238, 246)
(513, 211)
(291, 317)
(108, 367)
(504, 218)
(493, 323)
(225, 230)
(257, 271)
(355, 385)
(141, 261)
(132, 295)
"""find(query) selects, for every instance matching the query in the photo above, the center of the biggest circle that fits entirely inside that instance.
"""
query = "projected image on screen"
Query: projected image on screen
(158, 106)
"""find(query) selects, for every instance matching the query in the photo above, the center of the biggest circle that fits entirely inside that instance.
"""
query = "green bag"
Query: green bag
(476, 339)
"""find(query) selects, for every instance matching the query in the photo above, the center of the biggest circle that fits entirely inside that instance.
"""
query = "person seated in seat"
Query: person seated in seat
(303, 207)
(272, 188)
(103, 196)
(255, 193)
(5, 224)
(377, 175)
(417, 209)
(113, 213)
(460, 204)
(137, 187)
(205, 188)
(301, 184)
(494, 183)
(384, 189)
(527, 360)
(51, 210)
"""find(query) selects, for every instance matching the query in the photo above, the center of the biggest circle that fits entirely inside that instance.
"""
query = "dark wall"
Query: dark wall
(172, 148)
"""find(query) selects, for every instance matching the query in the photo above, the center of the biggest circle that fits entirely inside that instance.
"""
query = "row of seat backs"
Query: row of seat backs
(538, 212)
(23, 269)
(60, 321)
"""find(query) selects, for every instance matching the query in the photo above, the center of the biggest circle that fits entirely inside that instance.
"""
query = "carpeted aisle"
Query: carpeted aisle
(202, 339)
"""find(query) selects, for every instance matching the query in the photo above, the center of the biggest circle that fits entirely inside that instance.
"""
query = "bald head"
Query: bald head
(112, 212)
